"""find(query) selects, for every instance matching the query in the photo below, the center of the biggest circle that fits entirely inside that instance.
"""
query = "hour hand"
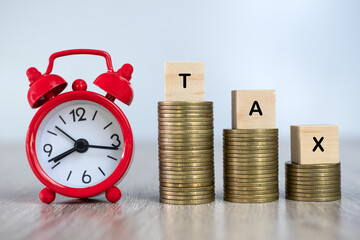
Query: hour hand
(65, 133)
(104, 147)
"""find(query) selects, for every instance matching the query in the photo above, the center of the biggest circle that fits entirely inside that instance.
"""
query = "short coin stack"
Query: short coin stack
(186, 152)
(313, 182)
(250, 165)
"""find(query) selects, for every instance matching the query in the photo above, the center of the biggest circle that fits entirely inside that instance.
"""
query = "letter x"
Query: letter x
(318, 144)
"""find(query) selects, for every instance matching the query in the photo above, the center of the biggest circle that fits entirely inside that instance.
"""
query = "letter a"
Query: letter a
(257, 109)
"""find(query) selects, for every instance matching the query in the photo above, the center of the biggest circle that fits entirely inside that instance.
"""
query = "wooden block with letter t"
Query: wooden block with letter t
(314, 144)
(253, 109)
(184, 81)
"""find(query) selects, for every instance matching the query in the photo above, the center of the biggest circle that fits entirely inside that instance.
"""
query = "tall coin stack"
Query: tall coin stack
(186, 152)
(250, 165)
(313, 182)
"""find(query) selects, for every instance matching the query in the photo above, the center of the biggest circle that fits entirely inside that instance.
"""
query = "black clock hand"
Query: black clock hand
(103, 147)
(65, 133)
(62, 155)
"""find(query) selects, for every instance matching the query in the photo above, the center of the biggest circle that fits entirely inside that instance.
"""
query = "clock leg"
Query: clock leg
(113, 194)
(47, 196)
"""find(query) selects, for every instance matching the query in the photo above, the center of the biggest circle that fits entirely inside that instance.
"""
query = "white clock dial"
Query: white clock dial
(79, 144)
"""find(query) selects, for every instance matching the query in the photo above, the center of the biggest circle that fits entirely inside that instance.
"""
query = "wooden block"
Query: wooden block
(314, 144)
(253, 109)
(184, 81)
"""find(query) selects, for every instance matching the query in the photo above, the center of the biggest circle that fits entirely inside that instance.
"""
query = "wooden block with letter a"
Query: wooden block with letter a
(184, 81)
(314, 144)
(253, 109)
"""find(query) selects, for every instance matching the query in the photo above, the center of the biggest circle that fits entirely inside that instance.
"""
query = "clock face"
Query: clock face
(79, 144)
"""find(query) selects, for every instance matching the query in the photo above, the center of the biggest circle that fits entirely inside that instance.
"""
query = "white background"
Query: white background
(309, 51)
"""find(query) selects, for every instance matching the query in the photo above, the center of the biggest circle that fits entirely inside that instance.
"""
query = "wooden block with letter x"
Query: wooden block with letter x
(314, 144)
(184, 81)
(253, 109)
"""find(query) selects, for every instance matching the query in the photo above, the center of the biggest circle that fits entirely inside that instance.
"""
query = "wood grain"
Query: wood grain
(178, 89)
(139, 215)
(307, 150)
(253, 109)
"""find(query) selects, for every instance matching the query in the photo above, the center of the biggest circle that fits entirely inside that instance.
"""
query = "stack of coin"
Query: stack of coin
(250, 165)
(313, 182)
(186, 152)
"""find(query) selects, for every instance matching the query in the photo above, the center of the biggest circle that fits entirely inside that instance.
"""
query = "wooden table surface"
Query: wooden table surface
(139, 215)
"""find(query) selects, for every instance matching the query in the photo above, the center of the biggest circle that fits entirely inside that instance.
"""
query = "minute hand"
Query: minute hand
(104, 147)
(62, 155)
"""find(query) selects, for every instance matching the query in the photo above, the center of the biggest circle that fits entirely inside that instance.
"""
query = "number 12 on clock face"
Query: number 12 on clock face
(79, 144)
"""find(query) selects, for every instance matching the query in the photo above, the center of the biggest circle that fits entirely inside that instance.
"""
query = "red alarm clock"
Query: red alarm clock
(79, 143)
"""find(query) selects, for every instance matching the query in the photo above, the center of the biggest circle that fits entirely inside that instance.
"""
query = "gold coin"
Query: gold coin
(250, 158)
(250, 161)
(310, 175)
(188, 189)
(191, 180)
(188, 172)
(161, 108)
(229, 192)
(185, 136)
(185, 144)
(251, 164)
(182, 165)
(252, 196)
(251, 139)
(327, 187)
(250, 146)
(260, 200)
(192, 159)
(180, 133)
(187, 152)
(173, 165)
(249, 176)
(185, 128)
(321, 199)
(185, 111)
(241, 151)
(241, 136)
(185, 103)
(186, 123)
(186, 175)
(247, 131)
(251, 184)
(187, 185)
(186, 160)
(312, 195)
(193, 197)
(251, 169)
(245, 144)
(185, 169)
(259, 152)
(250, 180)
(330, 170)
(185, 148)
(183, 120)
(186, 194)
(313, 179)
(189, 176)
(251, 172)
(312, 166)
(313, 182)
(320, 191)
(185, 115)
(187, 202)
(251, 188)
(185, 140)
